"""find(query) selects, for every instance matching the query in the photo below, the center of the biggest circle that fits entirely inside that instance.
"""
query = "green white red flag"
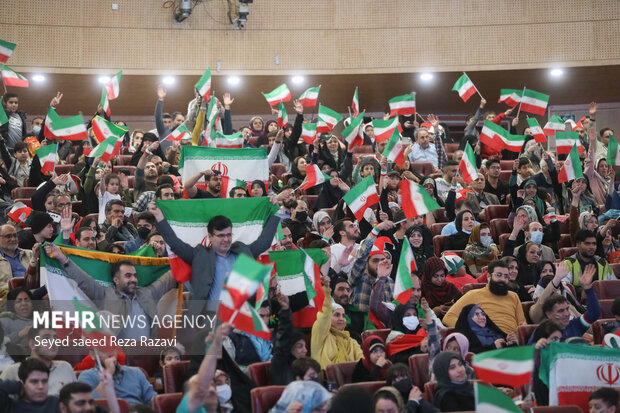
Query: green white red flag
(48, 156)
(279, 94)
(229, 141)
(203, 86)
(6, 50)
(537, 131)
(415, 200)
(464, 87)
(262, 294)
(402, 105)
(71, 128)
(403, 282)
(105, 102)
(499, 138)
(102, 129)
(246, 163)
(212, 119)
(555, 124)
(384, 129)
(613, 151)
(564, 142)
(3, 117)
(351, 133)
(355, 105)
(310, 96)
(314, 177)
(308, 132)
(244, 318)
(394, 150)
(113, 87)
(244, 278)
(178, 134)
(510, 366)
(468, 165)
(47, 126)
(490, 400)
(107, 149)
(328, 118)
(534, 102)
(571, 169)
(19, 212)
(12, 78)
(511, 97)
(282, 121)
(229, 183)
(361, 197)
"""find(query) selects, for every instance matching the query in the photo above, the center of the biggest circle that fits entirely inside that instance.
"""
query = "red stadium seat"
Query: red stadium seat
(438, 242)
(285, 177)
(526, 305)
(498, 226)
(565, 241)
(383, 333)
(616, 269)
(557, 409)
(340, 373)
(502, 241)
(264, 398)
(63, 169)
(505, 176)
(363, 149)
(451, 147)
(16, 282)
(117, 168)
(165, 403)
(371, 386)
(605, 308)
(418, 365)
(423, 168)
(123, 160)
(437, 227)
(597, 329)
(122, 404)
(565, 227)
(174, 376)
(429, 391)
(76, 206)
(472, 286)
(277, 169)
(495, 211)
(440, 215)
(310, 202)
(23, 192)
(567, 252)
(609, 289)
(26, 201)
(259, 373)
(506, 165)
(147, 362)
(524, 332)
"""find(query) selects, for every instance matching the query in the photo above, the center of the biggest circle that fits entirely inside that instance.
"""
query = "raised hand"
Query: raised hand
(592, 109)
(61, 180)
(161, 92)
(159, 216)
(283, 301)
(56, 100)
(66, 220)
(483, 102)
(561, 271)
(53, 251)
(587, 276)
(434, 121)
(384, 269)
(227, 100)
(299, 108)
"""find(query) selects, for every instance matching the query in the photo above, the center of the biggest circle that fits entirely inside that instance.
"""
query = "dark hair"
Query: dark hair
(28, 366)
(450, 162)
(541, 265)
(68, 389)
(20, 146)
(109, 177)
(35, 332)
(175, 114)
(545, 329)
(495, 264)
(111, 203)
(491, 161)
(115, 249)
(165, 179)
(551, 301)
(396, 370)
(8, 96)
(303, 364)
(582, 234)
(162, 187)
(218, 223)
(524, 161)
(385, 394)
(167, 350)
(318, 243)
(468, 117)
(147, 216)
(166, 115)
(261, 184)
(340, 226)
(12, 295)
(615, 307)
(151, 235)
(231, 193)
(608, 395)
(605, 130)
(87, 221)
(80, 231)
(116, 267)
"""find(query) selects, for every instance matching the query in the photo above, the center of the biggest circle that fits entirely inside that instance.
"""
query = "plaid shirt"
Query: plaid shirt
(361, 282)
(382, 291)
(441, 151)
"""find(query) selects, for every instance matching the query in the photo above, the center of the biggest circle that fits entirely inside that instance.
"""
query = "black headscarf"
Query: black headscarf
(262, 185)
(329, 195)
(527, 271)
(435, 196)
(397, 319)
(459, 240)
(441, 368)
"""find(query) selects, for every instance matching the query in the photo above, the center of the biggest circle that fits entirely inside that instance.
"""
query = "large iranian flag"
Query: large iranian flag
(511, 97)
(6, 50)
(384, 129)
(244, 318)
(102, 129)
(415, 200)
(553, 125)
(328, 118)
(402, 105)
(113, 87)
(310, 96)
(48, 156)
(279, 94)
(571, 169)
(534, 102)
(352, 134)
(234, 141)
(564, 142)
(178, 134)
(464, 87)
(403, 282)
(468, 165)
(244, 278)
(490, 400)
(613, 151)
(314, 177)
(537, 131)
(362, 196)
(71, 128)
(510, 366)
(394, 149)
(355, 104)
(12, 78)
(105, 102)
(573, 372)
(308, 132)
(246, 163)
(203, 86)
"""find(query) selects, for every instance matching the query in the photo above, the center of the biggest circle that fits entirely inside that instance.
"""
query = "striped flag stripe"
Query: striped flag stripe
(571, 169)
(113, 87)
(468, 165)
(511, 97)
(402, 105)
(279, 94)
(203, 86)
(534, 102)
(613, 152)
(394, 149)
(361, 196)
(536, 130)
(415, 200)
(384, 128)
(310, 96)
(6, 50)
(464, 87)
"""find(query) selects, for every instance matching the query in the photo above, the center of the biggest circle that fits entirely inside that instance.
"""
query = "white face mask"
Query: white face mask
(411, 322)
(224, 393)
(486, 240)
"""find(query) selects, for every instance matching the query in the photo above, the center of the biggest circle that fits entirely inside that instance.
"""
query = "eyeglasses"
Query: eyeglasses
(502, 275)
(479, 314)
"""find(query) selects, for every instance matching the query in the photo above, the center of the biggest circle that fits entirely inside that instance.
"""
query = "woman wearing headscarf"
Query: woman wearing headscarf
(303, 396)
(431, 188)
(421, 242)
(551, 283)
(374, 365)
(332, 152)
(480, 249)
(513, 285)
(464, 223)
(256, 126)
(439, 293)
(453, 392)
(332, 191)
(270, 126)
(528, 256)
(483, 334)
(605, 243)
(406, 336)
(388, 399)
(258, 188)
(330, 342)
(298, 171)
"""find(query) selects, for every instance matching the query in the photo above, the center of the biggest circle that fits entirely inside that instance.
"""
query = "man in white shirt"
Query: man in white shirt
(346, 232)
(423, 150)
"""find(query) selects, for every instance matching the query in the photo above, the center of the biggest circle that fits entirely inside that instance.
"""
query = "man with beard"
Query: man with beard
(495, 299)
(286, 198)
(287, 238)
(346, 234)
(585, 240)
(357, 321)
(146, 171)
(213, 180)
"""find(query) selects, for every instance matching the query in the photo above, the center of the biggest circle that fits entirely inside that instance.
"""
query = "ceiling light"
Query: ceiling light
(104, 79)
(168, 80)
(233, 80)
(557, 72)
(426, 76)
(38, 78)
(298, 79)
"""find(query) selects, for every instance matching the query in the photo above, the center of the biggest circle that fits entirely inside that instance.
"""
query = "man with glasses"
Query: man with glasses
(14, 261)
(495, 299)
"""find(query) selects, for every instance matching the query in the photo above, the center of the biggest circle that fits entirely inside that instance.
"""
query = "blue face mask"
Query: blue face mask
(36, 129)
(486, 240)
(536, 237)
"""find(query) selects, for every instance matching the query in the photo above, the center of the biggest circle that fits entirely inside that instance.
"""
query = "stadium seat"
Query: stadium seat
(340, 373)
(557, 409)
(418, 365)
(122, 404)
(383, 333)
(498, 226)
(472, 286)
(26, 201)
(506, 165)
(565, 227)
(460, 253)
(495, 211)
(76, 206)
(437, 227)
(451, 147)
(565, 241)
(130, 180)
(423, 168)
(429, 391)
(363, 149)
(63, 169)
(502, 241)
(285, 176)
(165, 403)
(440, 215)
(147, 362)
(597, 329)
(524, 332)
(264, 398)
(117, 168)
(605, 308)
(259, 373)
(371, 386)
(23, 192)
(526, 305)
(310, 202)
(438, 242)
(123, 160)
(174, 376)
(567, 252)
(616, 269)
(605, 290)
(277, 169)
(16, 282)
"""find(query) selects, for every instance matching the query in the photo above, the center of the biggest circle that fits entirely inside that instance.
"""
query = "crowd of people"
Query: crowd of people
(470, 293)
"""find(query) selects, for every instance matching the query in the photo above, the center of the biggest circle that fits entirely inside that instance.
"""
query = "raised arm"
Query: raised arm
(227, 127)
(263, 242)
(180, 248)
(162, 131)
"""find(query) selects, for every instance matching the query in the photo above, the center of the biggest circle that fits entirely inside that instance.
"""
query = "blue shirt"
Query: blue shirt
(223, 266)
(136, 315)
(129, 384)
(17, 269)
(419, 154)
(450, 229)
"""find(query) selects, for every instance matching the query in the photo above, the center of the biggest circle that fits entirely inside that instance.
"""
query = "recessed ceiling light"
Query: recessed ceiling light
(557, 72)
(104, 79)
(168, 80)
(426, 76)
(233, 80)
(298, 79)
(38, 78)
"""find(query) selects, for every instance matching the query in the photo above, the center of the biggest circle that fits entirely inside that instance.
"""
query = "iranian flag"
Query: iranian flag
(102, 129)
(244, 278)
(203, 86)
(105, 102)
(465, 87)
(229, 141)
(244, 318)
(499, 138)
(19, 212)
(47, 156)
(490, 400)
(247, 163)
(402, 105)
(613, 151)
(416, 201)
(534, 102)
(180, 133)
(229, 183)
(12, 78)
(308, 132)
(310, 96)
(6, 50)
(510, 366)
(70, 129)
(384, 129)
(314, 177)
(327, 119)
(511, 97)
(553, 125)
(361, 197)
(403, 282)
(189, 218)
(212, 120)
(571, 169)
(113, 87)
(564, 142)
(352, 134)
(355, 105)
(573, 372)
(279, 94)
(394, 149)
(262, 294)
(3, 117)
(298, 274)
(537, 131)
(468, 165)
(282, 121)
(47, 126)
(107, 149)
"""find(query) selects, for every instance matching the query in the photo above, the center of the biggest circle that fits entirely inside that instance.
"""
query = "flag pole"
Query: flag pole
(520, 101)
(477, 91)
(179, 310)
